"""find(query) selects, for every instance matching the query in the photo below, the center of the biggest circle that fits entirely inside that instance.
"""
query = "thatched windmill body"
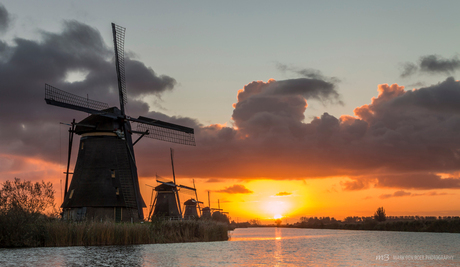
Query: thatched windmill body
(105, 183)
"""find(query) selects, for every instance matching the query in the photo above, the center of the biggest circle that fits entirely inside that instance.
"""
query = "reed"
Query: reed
(57, 233)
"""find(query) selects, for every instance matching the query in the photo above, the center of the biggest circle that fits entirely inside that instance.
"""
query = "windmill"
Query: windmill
(191, 205)
(105, 182)
(167, 201)
(206, 211)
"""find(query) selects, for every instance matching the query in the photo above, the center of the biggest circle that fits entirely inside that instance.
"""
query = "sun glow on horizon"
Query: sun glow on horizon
(278, 216)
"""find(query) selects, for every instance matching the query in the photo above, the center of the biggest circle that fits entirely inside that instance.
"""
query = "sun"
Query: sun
(278, 216)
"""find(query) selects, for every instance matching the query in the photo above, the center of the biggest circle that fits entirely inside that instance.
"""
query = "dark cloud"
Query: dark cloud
(400, 193)
(213, 180)
(353, 185)
(307, 72)
(403, 193)
(437, 64)
(5, 19)
(417, 181)
(144, 81)
(408, 69)
(29, 126)
(278, 105)
(430, 194)
(431, 64)
(280, 194)
(235, 189)
(417, 84)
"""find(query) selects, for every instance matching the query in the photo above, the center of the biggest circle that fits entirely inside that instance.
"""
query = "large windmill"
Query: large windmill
(105, 182)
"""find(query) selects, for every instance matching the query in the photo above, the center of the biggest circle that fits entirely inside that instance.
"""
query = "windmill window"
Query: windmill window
(82, 145)
(118, 191)
(71, 194)
(112, 173)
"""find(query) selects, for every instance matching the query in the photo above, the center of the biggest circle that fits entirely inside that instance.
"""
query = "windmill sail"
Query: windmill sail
(165, 131)
(119, 44)
(60, 98)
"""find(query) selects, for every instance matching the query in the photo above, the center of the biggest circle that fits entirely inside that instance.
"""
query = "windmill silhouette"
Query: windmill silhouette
(191, 205)
(105, 184)
(167, 201)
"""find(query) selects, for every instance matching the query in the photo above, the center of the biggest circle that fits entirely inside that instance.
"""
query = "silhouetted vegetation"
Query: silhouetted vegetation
(25, 208)
(220, 217)
(61, 233)
(28, 219)
(380, 215)
(391, 223)
(278, 222)
(240, 224)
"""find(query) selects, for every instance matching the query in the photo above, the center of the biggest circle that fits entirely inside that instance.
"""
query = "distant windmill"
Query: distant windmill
(105, 182)
(167, 201)
(191, 206)
(206, 211)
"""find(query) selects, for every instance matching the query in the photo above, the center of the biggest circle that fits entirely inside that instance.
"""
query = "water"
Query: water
(261, 246)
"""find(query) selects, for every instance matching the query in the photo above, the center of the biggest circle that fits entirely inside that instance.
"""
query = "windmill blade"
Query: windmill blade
(166, 183)
(187, 192)
(172, 164)
(196, 196)
(119, 46)
(188, 188)
(165, 131)
(60, 98)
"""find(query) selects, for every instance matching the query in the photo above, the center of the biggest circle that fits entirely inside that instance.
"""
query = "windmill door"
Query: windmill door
(117, 214)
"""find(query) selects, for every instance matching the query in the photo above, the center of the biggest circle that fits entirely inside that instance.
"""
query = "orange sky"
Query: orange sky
(315, 198)
(264, 199)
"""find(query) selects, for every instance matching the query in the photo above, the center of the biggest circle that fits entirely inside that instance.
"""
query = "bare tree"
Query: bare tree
(25, 196)
(278, 222)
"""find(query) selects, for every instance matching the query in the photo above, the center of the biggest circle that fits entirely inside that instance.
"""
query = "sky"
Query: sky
(300, 108)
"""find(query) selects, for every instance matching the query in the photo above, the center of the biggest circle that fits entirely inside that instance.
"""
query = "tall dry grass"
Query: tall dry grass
(60, 233)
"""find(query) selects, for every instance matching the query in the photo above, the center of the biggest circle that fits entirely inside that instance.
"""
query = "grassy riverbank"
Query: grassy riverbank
(440, 225)
(52, 233)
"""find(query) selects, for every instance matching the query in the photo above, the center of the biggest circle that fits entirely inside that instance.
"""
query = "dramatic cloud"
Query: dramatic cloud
(29, 126)
(431, 64)
(280, 194)
(235, 189)
(278, 105)
(5, 19)
(402, 139)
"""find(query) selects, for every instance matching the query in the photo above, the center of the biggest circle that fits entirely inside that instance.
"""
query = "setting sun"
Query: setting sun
(278, 216)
